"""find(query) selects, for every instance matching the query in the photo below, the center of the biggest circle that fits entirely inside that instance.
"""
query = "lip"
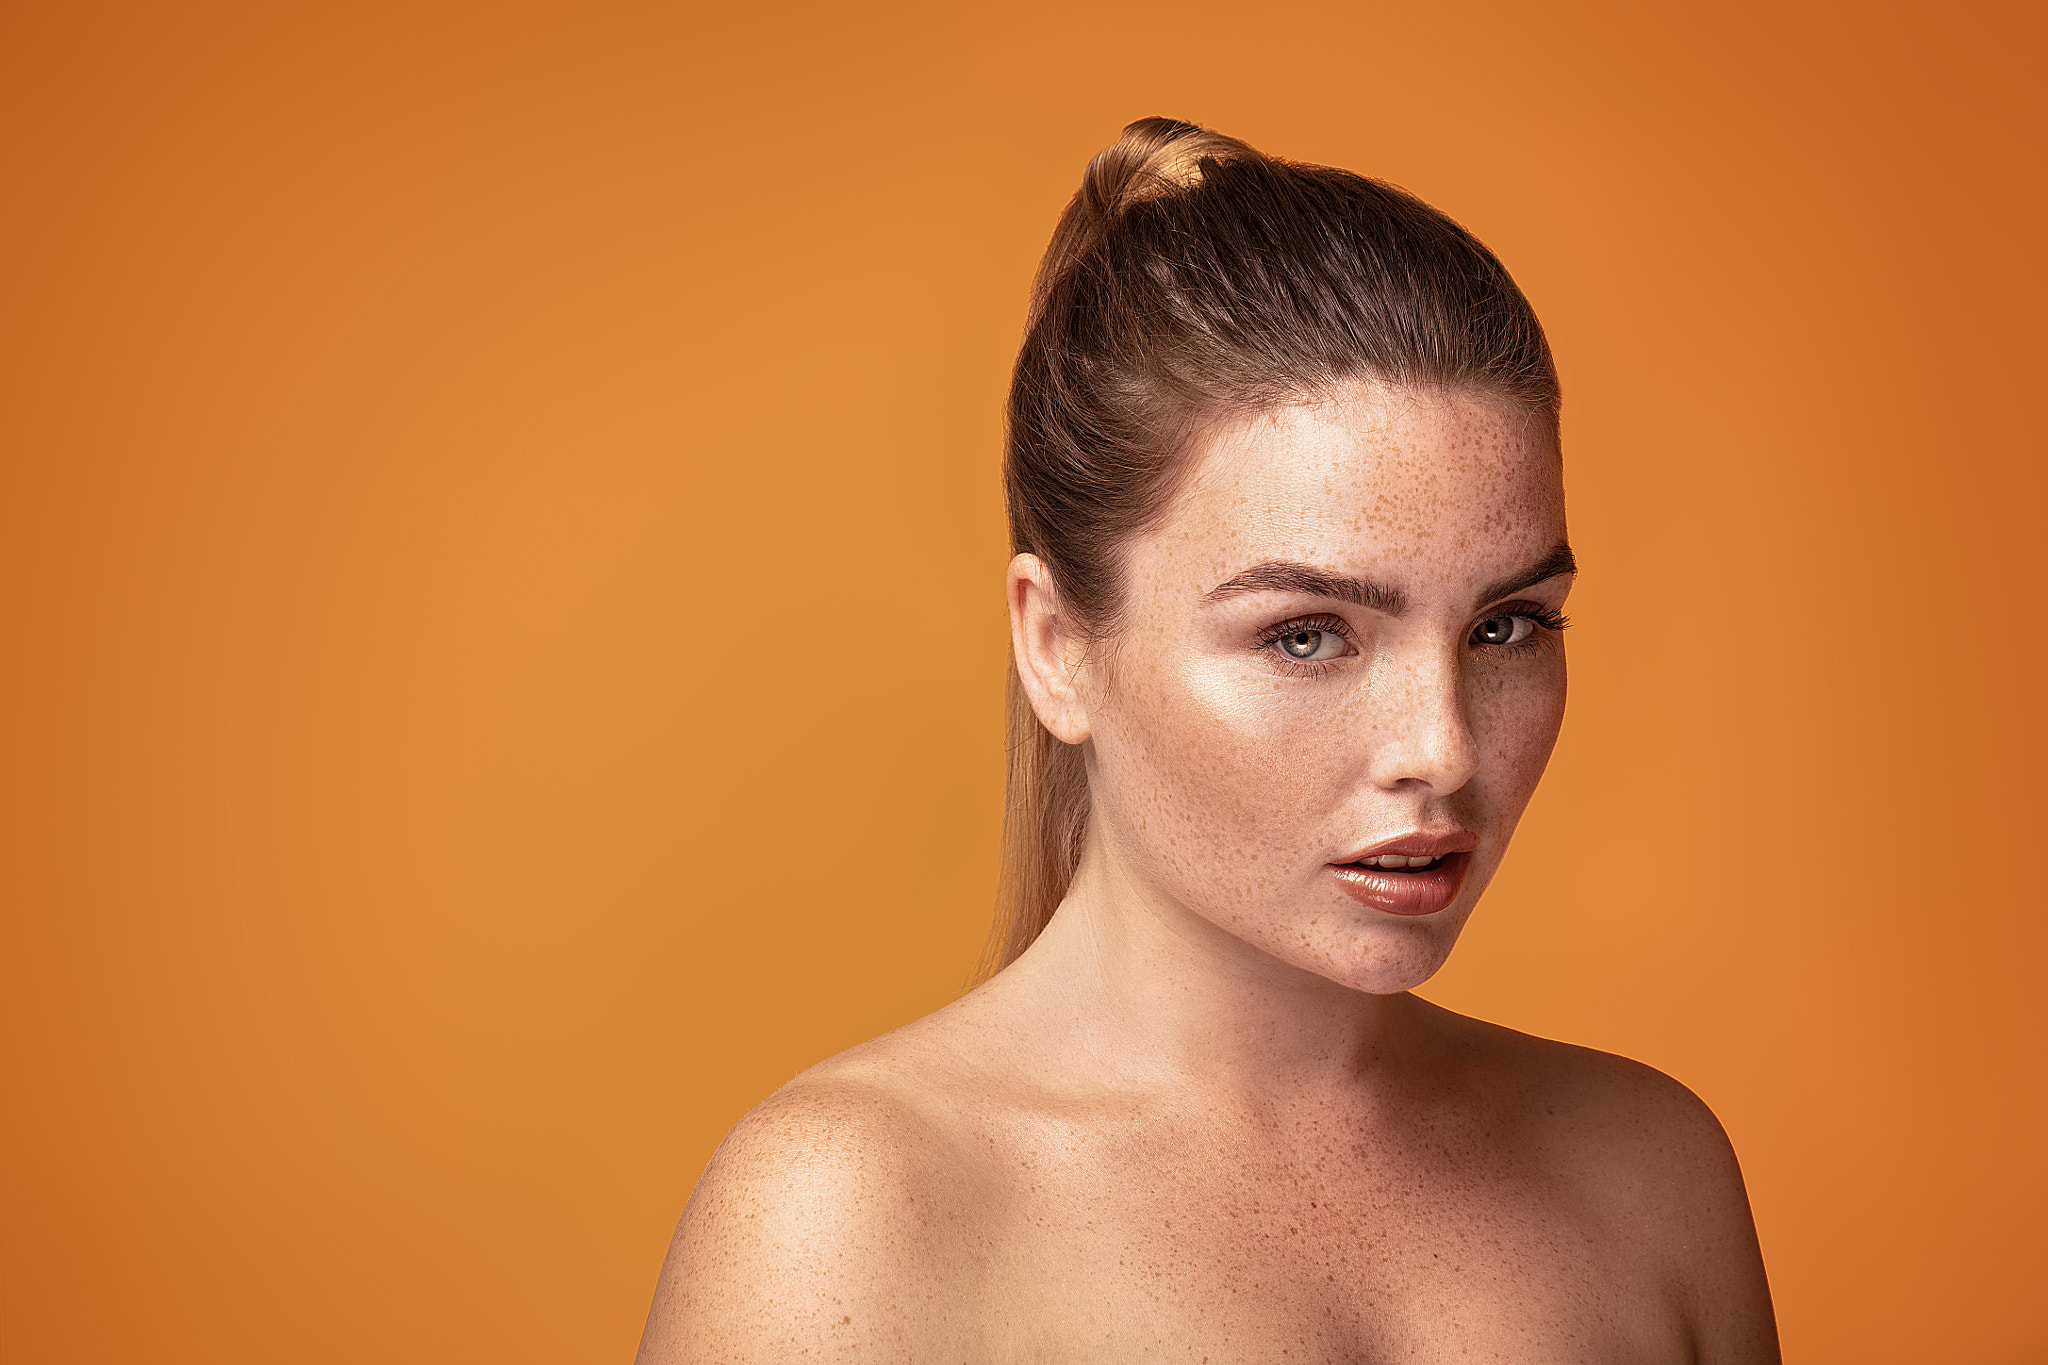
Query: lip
(1405, 893)
(1410, 893)
(1417, 844)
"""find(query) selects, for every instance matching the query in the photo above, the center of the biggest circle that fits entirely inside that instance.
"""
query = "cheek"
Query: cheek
(1222, 775)
(1515, 714)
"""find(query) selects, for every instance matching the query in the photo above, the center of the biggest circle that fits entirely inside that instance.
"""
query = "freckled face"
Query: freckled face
(1251, 734)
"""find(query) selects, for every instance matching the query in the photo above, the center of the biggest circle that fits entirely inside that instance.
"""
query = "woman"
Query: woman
(1285, 492)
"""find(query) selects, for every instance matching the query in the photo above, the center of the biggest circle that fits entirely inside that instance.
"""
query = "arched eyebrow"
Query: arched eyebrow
(1288, 575)
(1558, 561)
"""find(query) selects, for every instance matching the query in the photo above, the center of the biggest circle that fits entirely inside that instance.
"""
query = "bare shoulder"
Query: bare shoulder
(1650, 1161)
(833, 1221)
(1599, 1102)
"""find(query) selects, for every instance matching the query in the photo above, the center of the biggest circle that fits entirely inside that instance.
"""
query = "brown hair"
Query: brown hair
(1193, 279)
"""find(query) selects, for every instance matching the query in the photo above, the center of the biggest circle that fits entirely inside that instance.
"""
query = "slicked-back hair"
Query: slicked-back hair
(1192, 280)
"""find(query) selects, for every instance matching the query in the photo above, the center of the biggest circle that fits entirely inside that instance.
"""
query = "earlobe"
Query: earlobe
(1043, 643)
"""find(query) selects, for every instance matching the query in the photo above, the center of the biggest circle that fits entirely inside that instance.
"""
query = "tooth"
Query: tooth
(1391, 861)
(1420, 862)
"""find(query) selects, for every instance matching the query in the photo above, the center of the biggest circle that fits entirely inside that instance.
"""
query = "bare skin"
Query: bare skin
(1202, 1119)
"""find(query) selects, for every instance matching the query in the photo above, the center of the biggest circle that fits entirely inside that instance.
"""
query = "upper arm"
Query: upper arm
(821, 1230)
(1686, 1169)
(1727, 1294)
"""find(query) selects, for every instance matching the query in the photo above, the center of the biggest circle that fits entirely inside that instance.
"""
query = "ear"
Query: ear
(1048, 650)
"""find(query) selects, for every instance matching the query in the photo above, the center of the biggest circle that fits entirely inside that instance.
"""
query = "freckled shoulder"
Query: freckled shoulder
(1649, 1158)
(832, 1223)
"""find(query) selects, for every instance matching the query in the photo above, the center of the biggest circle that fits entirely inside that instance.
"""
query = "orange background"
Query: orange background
(500, 545)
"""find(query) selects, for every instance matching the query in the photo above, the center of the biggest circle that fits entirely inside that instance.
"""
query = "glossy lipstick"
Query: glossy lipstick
(1419, 891)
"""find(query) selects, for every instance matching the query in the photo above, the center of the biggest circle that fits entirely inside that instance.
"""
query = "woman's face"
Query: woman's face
(1339, 650)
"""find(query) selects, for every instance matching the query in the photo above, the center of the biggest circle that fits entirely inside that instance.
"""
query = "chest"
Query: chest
(1340, 1249)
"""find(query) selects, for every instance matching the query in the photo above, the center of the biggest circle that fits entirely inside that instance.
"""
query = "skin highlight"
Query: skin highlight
(1227, 777)
(1202, 1117)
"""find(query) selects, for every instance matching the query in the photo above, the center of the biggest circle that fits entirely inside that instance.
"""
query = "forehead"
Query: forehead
(1367, 480)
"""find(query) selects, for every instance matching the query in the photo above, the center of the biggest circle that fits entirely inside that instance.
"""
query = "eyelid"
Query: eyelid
(1336, 625)
(1546, 617)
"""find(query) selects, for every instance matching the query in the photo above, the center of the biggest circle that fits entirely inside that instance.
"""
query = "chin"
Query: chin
(1386, 959)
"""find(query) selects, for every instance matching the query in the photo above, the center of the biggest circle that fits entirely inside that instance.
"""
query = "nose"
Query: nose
(1424, 737)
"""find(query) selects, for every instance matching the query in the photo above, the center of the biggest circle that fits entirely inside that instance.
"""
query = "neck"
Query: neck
(1149, 992)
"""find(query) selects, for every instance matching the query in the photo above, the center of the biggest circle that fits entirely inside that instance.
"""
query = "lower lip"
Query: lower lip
(1404, 893)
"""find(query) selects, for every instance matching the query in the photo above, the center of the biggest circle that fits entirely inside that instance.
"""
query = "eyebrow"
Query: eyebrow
(1287, 575)
(1558, 561)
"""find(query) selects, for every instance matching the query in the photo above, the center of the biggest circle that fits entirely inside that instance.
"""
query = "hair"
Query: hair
(1193, 279)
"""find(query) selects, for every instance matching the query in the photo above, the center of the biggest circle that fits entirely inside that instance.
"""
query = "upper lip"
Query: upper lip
(1420, 844)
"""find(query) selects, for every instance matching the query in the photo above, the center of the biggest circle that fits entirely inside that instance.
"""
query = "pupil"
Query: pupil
(1496, 630)
(1302, 642)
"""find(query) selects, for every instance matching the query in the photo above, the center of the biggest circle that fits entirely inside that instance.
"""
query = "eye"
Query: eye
(1307, 644)
(1503, 630)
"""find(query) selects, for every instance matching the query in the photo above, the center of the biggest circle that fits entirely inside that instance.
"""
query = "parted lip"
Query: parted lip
(1419, 844)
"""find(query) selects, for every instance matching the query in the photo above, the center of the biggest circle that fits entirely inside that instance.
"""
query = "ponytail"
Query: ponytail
(1191, 279)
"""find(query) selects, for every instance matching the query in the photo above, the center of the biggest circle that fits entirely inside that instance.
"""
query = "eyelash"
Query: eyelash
(1547, 621)
(1335, 625)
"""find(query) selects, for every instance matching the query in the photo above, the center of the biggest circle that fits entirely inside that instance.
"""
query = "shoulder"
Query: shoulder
(1666, 1168)
(1626, 1112)
(833, 1221)
(1606, 1108)
(1654, 1167)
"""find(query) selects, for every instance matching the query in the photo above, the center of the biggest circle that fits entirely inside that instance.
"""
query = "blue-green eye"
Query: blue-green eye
(1309, 645)
(1503, 630)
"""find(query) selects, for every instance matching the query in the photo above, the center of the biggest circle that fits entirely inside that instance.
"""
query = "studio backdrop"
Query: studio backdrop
(500, 566)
